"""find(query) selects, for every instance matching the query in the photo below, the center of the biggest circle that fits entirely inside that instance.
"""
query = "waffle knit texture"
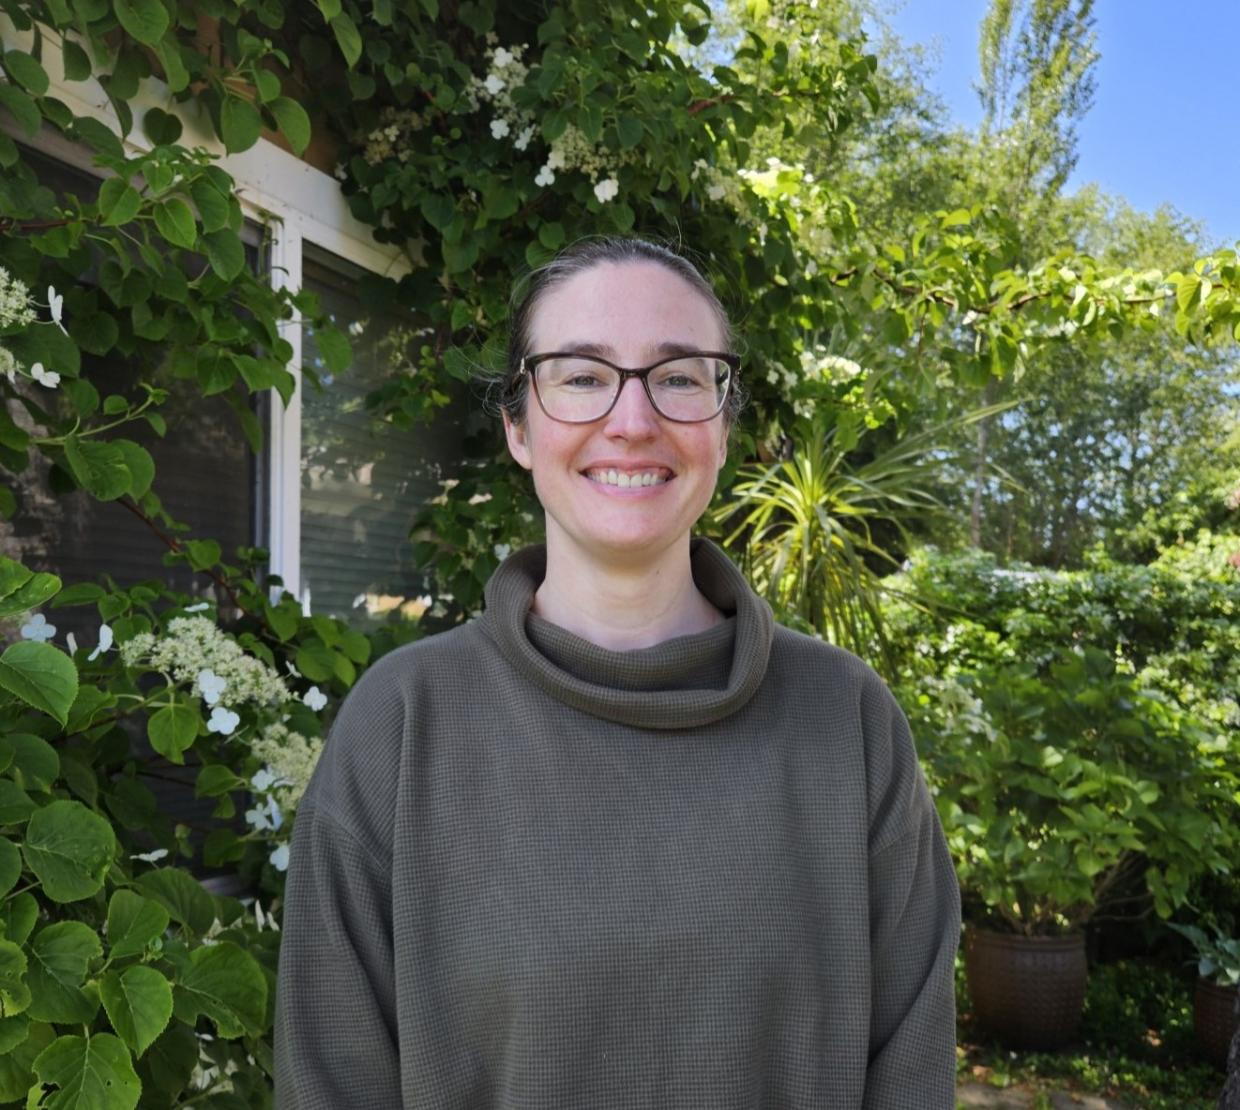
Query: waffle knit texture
(534, 874)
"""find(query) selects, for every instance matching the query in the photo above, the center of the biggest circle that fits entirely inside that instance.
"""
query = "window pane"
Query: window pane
(362, 482)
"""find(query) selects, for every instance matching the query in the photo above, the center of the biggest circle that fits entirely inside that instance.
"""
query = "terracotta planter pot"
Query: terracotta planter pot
(1215, 1020)
(1028, 992)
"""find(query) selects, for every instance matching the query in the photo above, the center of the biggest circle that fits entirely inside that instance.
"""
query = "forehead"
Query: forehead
(625, 306)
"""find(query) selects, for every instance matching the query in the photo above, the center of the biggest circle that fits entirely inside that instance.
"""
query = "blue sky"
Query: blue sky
(1165, 125)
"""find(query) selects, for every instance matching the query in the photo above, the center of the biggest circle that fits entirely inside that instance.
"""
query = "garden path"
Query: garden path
(980, 1096)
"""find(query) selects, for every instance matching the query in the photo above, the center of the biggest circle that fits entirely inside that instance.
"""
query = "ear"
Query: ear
(517, 435)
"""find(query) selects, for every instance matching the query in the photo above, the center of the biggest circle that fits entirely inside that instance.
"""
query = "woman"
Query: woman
(621, 841)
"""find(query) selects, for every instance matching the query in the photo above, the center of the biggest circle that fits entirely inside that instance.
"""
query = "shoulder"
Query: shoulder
(844, 685)
(833, 668)
(359, 773)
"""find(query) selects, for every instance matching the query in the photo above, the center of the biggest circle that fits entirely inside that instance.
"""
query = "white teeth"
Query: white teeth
(625, 480)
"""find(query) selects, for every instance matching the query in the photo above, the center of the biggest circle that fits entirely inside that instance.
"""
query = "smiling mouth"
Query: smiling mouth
(629, 479)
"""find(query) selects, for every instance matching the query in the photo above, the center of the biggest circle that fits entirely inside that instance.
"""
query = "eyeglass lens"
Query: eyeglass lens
(579, 389)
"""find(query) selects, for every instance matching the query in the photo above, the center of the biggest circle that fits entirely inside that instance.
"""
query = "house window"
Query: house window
(362, 481)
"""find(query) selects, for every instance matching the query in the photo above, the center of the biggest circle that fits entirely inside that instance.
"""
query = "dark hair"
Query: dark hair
(574, 259)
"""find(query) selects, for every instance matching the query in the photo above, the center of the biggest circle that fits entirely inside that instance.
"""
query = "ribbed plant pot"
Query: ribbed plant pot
(1214, 1018)
(1027, 992)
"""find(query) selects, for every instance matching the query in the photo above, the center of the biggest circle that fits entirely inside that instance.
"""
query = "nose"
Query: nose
(632, 416)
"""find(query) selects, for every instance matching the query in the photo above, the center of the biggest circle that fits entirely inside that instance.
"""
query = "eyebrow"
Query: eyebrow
(669, 348)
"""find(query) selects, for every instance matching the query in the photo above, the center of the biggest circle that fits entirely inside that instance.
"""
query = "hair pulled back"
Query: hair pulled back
(575, 259)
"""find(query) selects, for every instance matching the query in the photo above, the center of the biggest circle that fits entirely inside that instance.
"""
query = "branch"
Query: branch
(174, 545)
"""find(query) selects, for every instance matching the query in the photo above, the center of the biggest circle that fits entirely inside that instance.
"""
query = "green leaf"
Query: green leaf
(69, 848)
(347, 38)
(14, 993)
(138, 1003)
(146, 20)
(225, 983)
(27, 72)
(75, 60)
(225, 253)
(172, 729)
(13, 1030)
(80, 593)
(458, 257)
(211, 204)
(438, 210)
(629, 130)
(175, 221)
(40, 675)
(10, 865)
(18, 917)
(15, 803)
(177, 78)
(60, 957)
(35, 763)
(41, 587)
(17, 1067)
(181, 895)
(94, 1072)
(23, 108)
(240, 124)
(133, 922)
(172, 1058)
(329, 8)
(99, 467)
(140, 465)
(293, 120)
(203, 554)
(215, 779)
(334, 347)
(118, 202)
(957, 218)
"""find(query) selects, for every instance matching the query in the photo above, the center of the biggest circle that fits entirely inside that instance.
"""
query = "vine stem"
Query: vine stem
(174, 545)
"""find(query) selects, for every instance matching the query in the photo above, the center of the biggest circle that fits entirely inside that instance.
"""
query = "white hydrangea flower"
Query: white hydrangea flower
(46, 378)
(106, 640)
(607, 189)
(501, 58)
(502, 551)
(210, 685)
(38, 629)
(223, 721)
(10, 367)
(493, 84)
(279, 858)
(151, 857)
(191, 645)
(56, 306)
(545, 177)
(499, 128)
(523, 140)
(292, 757)
(314, 699)
(15, 307)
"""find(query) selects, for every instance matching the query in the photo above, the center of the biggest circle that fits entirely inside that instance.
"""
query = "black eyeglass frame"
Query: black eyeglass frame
(529, 363)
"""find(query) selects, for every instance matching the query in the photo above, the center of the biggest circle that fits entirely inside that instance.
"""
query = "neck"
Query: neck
(626, 604)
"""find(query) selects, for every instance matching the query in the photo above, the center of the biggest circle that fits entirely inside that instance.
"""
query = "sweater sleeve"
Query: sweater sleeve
(336, 1043)
(914, 925)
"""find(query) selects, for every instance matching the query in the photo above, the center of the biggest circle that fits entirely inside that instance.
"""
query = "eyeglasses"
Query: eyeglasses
(686, 389)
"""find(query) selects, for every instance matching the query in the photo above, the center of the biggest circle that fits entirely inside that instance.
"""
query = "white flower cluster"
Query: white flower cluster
(384, 142)
(290, 759)
(957, 709)
(506, 71)
(195, 652)
(722, 186)
(15, 307)
(573, 151)
(831, 367)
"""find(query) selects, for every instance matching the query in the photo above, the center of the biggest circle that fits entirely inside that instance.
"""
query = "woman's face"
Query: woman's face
(630, 313)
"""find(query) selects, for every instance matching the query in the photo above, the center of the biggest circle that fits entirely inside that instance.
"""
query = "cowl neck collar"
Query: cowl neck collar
(681, 683)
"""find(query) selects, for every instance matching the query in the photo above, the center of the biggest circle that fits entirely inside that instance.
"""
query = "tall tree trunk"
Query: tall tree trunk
(979, 471)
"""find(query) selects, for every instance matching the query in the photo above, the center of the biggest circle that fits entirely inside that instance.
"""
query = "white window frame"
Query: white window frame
(295, 201)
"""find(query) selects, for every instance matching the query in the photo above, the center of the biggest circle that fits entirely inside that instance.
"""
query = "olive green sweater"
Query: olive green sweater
(533, 873)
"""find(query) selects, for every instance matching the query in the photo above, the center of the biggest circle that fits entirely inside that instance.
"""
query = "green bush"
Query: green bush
(1059, 793)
